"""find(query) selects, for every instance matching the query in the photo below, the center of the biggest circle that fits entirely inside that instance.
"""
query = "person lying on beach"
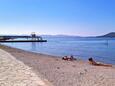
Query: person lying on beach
(71, 58)
(92, 62)
(65, 58)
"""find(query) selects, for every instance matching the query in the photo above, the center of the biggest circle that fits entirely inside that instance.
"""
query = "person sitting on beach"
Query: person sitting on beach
(72, 58)
(92, 62)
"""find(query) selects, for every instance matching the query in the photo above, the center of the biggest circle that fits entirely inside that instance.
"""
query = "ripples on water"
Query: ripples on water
(102, 49)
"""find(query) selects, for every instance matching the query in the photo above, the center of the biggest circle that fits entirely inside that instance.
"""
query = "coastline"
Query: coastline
(64, 73)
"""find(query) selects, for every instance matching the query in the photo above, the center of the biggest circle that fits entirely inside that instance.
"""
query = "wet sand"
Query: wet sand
(64, 73)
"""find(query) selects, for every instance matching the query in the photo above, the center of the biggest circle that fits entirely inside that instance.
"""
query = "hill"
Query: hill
(111, 35)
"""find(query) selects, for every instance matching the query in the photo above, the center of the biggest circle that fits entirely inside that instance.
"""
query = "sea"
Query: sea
(101, 49)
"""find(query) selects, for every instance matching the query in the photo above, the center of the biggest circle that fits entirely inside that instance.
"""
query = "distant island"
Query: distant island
(111, 35)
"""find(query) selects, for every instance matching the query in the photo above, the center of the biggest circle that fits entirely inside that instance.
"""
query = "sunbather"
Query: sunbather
(65, 58)
(91, 61)
(71, 58)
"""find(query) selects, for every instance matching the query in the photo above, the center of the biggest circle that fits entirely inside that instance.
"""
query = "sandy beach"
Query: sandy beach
(54, 71)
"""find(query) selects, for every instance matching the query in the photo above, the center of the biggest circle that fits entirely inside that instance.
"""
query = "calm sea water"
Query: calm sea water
(101, 49)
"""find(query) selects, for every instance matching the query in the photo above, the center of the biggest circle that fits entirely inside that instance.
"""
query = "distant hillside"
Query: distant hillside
(111, 35)
(60, 36)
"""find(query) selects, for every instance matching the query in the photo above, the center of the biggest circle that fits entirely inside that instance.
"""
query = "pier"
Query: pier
(32, 38)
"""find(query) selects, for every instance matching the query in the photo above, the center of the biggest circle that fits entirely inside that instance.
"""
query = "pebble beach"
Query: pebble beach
(23, 68)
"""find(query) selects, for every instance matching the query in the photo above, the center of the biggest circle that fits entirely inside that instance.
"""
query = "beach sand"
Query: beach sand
(64, 73)
(14, 73)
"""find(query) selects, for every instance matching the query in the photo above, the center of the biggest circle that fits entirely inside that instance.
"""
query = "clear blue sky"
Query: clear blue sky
(70, 17)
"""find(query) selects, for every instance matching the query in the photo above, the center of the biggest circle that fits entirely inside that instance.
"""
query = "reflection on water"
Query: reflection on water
(102, 49)
(33, 45)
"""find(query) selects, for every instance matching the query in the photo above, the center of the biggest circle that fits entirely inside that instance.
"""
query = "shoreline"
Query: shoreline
(64, 73)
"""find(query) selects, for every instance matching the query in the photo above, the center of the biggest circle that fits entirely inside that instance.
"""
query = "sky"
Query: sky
(53, 17)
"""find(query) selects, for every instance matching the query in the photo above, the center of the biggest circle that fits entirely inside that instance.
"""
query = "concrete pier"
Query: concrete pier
(32, 38)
